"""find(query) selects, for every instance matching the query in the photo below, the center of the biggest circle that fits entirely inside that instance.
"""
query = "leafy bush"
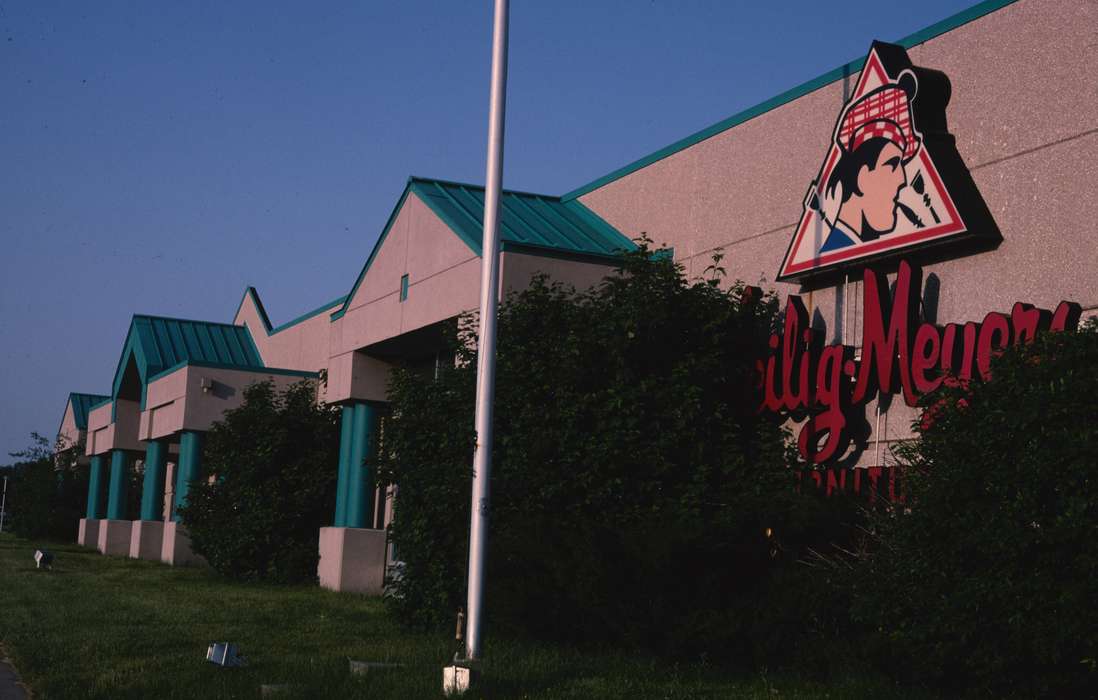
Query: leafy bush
(633, 483)
(47, 492)
(274, 465)
(989, 580)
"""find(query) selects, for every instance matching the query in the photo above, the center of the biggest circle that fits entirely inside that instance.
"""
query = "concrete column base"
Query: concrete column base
(114, 537)
(352, 559)
(147, 539)
(88, 533)
(176, 547)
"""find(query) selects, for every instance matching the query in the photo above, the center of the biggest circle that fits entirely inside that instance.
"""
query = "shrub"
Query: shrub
(633, 482)
(273, 462)
(47, 490)
(988, 580)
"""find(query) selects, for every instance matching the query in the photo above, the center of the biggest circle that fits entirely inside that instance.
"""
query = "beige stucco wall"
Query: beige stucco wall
(176, 401)
(1024, 92)
(517, 269)
(444, 281)
(105, 435)
(302, 346)
(443, 275)
(68, 433)
(355, 375)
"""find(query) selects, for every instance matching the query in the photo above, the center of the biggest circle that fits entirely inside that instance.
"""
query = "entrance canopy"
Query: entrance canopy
(157, 345)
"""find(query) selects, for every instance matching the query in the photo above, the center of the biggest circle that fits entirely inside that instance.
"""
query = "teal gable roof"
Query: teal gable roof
(526, 220)
(82, 405)
(156, 344)
(531, 223)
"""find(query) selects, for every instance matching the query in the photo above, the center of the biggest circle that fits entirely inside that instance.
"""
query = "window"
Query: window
(404, 287)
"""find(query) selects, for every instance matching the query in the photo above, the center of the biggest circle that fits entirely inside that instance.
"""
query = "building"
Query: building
(1007, 115)
(73, 432)
(174, 378)
(424, 271)
(980, 148)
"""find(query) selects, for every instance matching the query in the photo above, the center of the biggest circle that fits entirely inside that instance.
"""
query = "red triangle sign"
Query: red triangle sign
(879, 191)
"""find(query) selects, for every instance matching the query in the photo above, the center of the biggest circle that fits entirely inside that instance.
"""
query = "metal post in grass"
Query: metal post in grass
(486, 352)
(4, 504)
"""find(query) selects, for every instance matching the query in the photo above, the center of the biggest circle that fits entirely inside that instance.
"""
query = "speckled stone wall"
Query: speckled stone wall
(1024, 111)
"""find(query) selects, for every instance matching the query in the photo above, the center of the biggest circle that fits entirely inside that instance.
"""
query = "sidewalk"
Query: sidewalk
(10, 688)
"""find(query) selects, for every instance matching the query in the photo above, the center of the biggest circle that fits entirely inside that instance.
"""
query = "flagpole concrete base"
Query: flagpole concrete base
(352, 559)
(114, 537)
(176, 547)
(147, 539)
(88, 533)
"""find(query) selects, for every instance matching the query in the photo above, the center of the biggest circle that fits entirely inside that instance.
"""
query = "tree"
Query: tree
(47, 489)
(273, 463)
(637, 495)
(988, 579)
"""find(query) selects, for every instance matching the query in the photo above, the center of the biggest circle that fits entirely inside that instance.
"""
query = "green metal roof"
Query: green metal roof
(156, 344)
(530, 223)
(81, 406)
(937, 29)
(526, 219)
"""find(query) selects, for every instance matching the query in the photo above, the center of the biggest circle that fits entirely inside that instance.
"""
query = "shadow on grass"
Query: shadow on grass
(113, 627)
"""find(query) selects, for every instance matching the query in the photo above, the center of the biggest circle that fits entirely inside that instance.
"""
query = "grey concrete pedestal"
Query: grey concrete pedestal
(147, 539)
(114, 537)
(88, 533)
(352, 559)
(176, 547)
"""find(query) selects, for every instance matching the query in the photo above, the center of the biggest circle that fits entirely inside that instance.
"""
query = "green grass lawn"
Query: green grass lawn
(110, 627)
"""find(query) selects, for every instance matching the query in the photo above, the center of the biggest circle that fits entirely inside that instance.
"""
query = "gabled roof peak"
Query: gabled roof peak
(266, 320)
(535, 222)
(82, 405)
(158, 343)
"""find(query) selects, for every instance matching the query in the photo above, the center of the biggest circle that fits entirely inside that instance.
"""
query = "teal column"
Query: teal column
(360, 482)
(95, 489)
(345, 435)
(152, 492)
(118, 488)
(189, 467)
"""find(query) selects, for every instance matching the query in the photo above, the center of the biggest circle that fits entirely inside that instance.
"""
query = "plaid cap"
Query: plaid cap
(882, 113)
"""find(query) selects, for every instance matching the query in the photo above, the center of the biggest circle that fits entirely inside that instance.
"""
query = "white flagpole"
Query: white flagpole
(486, 354)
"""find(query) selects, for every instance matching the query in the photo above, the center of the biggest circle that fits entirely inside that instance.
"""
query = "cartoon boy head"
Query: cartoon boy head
(876, 140)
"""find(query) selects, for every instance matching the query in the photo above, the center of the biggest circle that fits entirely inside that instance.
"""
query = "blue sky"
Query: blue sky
(157, 157)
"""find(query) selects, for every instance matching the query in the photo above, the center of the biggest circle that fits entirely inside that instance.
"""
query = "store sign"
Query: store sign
(892, 180)
(900, 354)
(870, 484)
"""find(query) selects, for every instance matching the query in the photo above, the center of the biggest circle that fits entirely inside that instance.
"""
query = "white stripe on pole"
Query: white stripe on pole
(486, 353)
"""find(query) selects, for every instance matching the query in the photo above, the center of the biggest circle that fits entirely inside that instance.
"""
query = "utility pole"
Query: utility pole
(3, 504)
(486, 353)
